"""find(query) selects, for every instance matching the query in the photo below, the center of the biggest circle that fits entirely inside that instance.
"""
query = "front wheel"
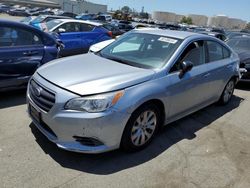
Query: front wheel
(141, 128)
(227, 92)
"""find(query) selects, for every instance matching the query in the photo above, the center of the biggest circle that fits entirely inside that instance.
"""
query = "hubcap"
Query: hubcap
(228, 91)
(143, 128)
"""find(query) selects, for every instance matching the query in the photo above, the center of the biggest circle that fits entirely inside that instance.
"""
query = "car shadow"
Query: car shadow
(115, 161)
(12, 98)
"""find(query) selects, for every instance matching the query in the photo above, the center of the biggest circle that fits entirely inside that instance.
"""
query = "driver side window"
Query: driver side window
(194, 52)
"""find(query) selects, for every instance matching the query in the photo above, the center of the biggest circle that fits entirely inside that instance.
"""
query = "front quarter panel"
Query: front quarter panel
(137, 95)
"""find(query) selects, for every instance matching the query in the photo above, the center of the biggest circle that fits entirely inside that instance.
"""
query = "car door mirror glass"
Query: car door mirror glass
(185, 67)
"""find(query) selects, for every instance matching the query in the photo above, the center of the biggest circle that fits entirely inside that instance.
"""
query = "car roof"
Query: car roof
(54, 16)
(211, 33)
(241, 37)
(8, 22)
(80, 21)
(168, 33)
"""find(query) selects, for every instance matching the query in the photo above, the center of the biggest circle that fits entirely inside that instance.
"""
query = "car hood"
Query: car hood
(90, 74)
(99, 46)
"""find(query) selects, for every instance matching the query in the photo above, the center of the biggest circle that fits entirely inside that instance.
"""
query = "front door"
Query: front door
(188, 93)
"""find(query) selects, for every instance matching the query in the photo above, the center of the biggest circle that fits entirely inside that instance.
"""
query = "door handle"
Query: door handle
(30, 53)
(229, 66)
(206, 75)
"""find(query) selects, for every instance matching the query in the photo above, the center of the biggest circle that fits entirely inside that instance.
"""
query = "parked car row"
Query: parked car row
(18, 10)
(75, 37)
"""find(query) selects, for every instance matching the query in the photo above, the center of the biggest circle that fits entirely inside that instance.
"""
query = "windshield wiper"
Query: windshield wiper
(127, 62)
(119, 60)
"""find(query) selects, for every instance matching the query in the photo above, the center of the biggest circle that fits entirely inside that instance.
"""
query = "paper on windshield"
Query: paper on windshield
(168, 40)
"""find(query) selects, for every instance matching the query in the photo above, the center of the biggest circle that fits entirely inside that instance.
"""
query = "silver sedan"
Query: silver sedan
(121, 95)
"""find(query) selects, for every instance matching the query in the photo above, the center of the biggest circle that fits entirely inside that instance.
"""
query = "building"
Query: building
(164, 16)
(235, 23)
(221, 21)
(226, 22)
(82, 6)
(218, 21)
(200, 20)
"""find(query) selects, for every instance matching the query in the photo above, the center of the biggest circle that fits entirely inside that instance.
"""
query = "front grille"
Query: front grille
(43, 98)
(88, 141)
(47, 128)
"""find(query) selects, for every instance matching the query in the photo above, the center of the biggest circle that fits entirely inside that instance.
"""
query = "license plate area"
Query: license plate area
(35, 114)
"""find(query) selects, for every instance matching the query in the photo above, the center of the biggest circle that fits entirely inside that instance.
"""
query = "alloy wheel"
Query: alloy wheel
(228, 91)
(143, 128)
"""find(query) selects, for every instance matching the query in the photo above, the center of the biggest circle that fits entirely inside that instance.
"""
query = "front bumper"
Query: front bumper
(63, 126)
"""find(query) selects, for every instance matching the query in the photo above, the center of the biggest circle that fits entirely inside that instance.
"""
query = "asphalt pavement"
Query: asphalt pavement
(210, 148)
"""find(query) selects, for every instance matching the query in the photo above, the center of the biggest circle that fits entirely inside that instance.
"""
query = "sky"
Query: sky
(231, 8)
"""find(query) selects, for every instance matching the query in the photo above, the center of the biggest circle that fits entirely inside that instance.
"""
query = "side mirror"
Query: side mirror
(61, 30)
(185, 67)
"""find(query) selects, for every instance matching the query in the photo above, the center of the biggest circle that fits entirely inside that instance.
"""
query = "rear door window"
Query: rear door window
(70, 27)
(86, 27)
(18, 37)
(217, 51)
(226, 52)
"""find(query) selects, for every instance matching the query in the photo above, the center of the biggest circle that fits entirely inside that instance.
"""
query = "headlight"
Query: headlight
(96, 103)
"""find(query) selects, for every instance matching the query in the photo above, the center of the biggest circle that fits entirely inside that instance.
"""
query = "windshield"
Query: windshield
(26, 19)
(239, 44)
(51, 24)
(38, 19)
(142, 50)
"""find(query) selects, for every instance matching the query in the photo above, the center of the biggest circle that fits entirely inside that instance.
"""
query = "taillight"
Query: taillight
(110, 34)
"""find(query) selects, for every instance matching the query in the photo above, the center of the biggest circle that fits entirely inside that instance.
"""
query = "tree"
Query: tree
(187, 20)
(117, 14)
(126, 9)
(144, 15)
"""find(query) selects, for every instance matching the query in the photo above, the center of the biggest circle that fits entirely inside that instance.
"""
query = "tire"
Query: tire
(227, 92)
(141, 128)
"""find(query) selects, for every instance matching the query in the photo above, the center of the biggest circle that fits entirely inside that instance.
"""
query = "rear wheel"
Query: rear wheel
(141, 128)
(227, 92)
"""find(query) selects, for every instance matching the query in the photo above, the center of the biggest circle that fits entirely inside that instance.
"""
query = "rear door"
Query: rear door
(90, 35)
(21, 52)
(219, 66)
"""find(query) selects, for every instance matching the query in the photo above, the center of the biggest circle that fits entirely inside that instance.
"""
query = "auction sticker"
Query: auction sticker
(166, 39)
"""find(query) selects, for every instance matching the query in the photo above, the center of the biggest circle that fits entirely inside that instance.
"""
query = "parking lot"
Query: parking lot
(210, 148)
